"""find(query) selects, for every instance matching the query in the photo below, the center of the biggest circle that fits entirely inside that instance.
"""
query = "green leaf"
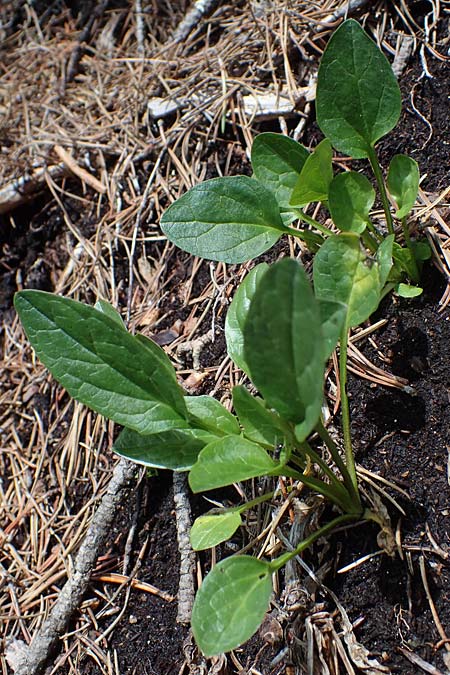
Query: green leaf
(213, 528)
(283, 345)
(277, 161)
(259, 424)
(229, 219)
(407, 291)
(342, 273)
(207, 413)
(110, 311)
(95, 360)
(229, 460)
(422, 250)
(350, 199)
(231, 603)
(332, 316)
(174, 450)
(384, 258)
(237, 315)
(315, 178)
(358, 98)
(403, 183)
(404, 259)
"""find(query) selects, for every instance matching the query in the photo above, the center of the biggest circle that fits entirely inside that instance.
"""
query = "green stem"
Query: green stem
(376, 168)
(369, 242)
(332, 447)
(416, 275)
(311, 239)
(378, 236)
(315, 457)
(345, 409)
(279, 562)
(253, 502)
(313, 222)
(325, 489)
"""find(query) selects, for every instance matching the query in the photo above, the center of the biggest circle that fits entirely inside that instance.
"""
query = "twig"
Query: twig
(77, 52)
(140, 31)
(137, 224)
(114, 578)
(194, 15)
(32, 658)
(186, 591)
(417, 661)
(437, 621)
(78, 171)
(133, 527)
(23, 189)
(344, 11)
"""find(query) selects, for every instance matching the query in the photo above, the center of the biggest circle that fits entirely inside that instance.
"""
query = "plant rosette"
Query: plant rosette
(280, 330)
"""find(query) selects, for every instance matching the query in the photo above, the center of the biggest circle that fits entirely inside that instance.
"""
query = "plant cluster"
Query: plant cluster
(280, 330)
(235, 219)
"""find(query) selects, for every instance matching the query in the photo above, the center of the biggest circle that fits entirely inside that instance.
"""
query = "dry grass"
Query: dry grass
(55, 455)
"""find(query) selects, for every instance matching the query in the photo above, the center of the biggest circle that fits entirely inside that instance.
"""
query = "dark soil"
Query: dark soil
(403, 436)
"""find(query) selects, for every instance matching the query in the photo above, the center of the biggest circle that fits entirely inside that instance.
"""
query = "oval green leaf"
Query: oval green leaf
(315, 178)
(175, 450)
(384, 258)
(283, 345)
(230, 604)
(332, 316)
(214, 528)
(109, 310)
(350, 199)
(342, 273)
(237, 315)
(205, 412)
(277, 162)
(229, 460)
(91, 355)
(407, 291)
(403, 183)
(358, 98)
(229, 219)
(259, 424)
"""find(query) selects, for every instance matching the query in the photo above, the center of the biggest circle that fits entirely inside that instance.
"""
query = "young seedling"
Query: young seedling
(279, 330)
(234, 219)
(281, 334)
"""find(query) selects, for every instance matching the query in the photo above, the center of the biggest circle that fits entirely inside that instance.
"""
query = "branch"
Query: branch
(21, 190)
(194, 15)
(30, 659)
(186, 590)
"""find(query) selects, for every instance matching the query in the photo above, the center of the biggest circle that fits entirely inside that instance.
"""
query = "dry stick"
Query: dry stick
(419, 662)
(33, 658)
(186, 590)
(77, 52)
(137, 224)
(21, 190)
(437, 621)
(194, 15)
(78, 170)
(140, 29)
(344, 11)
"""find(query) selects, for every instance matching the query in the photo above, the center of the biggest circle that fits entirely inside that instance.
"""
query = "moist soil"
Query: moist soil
(401, 435)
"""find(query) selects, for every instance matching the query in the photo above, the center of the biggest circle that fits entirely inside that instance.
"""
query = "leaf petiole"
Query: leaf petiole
(311, 239)
(376, 168)
(415, 277)
(279, 562)
(345, 408)
(332, 447)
